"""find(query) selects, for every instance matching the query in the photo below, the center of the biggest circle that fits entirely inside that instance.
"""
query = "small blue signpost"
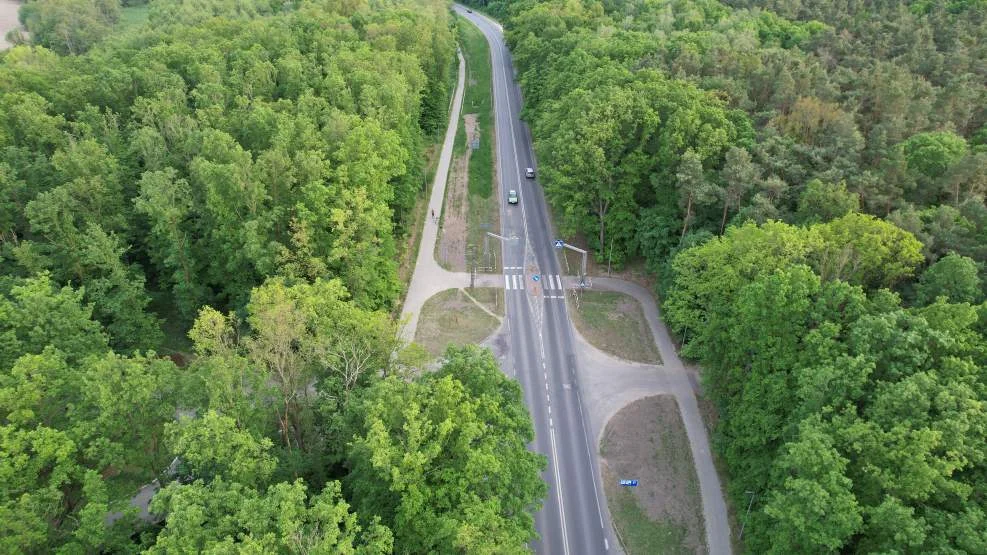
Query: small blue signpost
(536, 277)
(631, 483)
(559, 243)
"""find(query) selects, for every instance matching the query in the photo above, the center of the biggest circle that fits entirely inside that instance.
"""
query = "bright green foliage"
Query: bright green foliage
(35, 468)
(931, 154)
(199, 167)
(864, 250)
(35, 314)
(815, 509)
(225, 517)
(954, 277)
(885, 432)
(443, 459)
(707, 276)
(306, 350)
(74, 419)
(213, 447)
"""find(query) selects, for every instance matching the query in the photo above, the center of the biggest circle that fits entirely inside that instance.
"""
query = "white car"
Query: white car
(512, 196)
(529, 173)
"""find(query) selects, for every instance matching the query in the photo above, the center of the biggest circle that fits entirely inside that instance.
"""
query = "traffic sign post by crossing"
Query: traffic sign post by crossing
(559, 243)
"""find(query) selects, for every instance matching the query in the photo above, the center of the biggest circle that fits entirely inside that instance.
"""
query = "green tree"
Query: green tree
(69, 26)
(444, 462)
(694, 188)
(815, 510)
(36, 313)
(36, 466)
(932, 154)
(706, 277)
(594, 159)
(739, 175)
(954, 277)
(301, 336)
(213, 447)
(822, 202)
(226, 516)
(862, 249)
(166, 200)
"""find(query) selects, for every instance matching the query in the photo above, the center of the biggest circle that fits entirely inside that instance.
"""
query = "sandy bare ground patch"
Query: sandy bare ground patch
(615, 324)
(451, 249)
(8, 20)
(646, 441)
(453, 317)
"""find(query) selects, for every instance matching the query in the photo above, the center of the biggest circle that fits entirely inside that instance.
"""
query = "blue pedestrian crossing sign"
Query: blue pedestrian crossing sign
(559, 244)
(536, 277)
(631, 483)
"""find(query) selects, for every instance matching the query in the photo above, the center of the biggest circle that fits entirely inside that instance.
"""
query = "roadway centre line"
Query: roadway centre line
(524, 222)
(517, 161)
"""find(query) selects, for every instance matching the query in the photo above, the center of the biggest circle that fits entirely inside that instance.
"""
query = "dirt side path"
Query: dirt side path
(451, 248)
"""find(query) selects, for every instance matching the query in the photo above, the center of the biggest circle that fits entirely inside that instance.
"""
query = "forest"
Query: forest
(805, 179)
(199, 225)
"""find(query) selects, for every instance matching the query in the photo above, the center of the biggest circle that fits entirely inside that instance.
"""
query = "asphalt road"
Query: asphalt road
(574, 519)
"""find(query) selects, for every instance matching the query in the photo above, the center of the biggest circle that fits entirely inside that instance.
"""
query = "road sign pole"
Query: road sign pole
(582, 273)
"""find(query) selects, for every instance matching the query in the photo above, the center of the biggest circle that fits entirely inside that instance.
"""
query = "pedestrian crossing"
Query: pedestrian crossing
(551, 285)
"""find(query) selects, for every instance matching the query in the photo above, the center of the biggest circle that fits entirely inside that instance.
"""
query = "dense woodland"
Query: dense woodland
(806, 179)
(240, 173)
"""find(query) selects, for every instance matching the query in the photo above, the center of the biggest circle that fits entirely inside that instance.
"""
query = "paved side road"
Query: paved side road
(429, 278)
(675, 379)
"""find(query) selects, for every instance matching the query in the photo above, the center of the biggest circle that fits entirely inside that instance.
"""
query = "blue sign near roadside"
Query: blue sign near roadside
(536, 277)
(631, 483)
(559, 243)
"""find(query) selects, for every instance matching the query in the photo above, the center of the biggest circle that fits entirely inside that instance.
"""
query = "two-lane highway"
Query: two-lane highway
(573, 519)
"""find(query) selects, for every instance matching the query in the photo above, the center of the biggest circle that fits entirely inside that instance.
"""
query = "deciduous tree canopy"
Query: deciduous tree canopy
(238, 173)
(837, 149)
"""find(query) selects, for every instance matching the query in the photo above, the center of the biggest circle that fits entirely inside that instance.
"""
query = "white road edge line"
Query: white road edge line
(524, 222)
(558, 487)
(589, 455)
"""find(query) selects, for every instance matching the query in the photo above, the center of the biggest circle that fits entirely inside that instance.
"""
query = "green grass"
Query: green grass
(646, 440)
(450, 317)
(491, 297)
(639, 534)
(484, 206)
(478, 99)
(614, 323)
(133, 16)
